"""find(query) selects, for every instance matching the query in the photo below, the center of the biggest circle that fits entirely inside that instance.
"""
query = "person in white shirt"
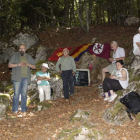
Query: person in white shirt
(118, 80)
(118, 54)
(136, 43)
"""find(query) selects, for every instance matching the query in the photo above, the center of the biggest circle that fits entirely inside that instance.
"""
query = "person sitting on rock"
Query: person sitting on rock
(43, 78)
(117, 81)
(136, 43)
(118, 54)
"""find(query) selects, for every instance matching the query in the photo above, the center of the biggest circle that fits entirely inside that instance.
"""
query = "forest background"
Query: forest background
(39, 14)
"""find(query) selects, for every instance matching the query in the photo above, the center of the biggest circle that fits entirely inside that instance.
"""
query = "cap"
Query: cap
(45, 65)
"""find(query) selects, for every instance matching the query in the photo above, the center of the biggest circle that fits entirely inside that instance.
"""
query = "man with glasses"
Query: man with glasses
(21, 64)
(66, 66)
(118, 54)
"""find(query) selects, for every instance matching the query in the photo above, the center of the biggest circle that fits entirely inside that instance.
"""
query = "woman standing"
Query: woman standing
(117, 81)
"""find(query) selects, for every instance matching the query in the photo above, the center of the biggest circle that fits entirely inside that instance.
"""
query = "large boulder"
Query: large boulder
(43, 53)
(132, 21)
(80, 115)
(80, 133)
(5, 100)
(26, 39)
(116, 115)
(94, 64)
(57, 86)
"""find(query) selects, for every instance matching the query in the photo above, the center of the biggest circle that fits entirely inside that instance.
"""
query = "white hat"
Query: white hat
(45, 65)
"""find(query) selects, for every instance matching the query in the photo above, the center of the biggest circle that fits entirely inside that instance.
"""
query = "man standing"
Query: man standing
(118, 54)
(21, 64)
(136, 43)
(67, 70)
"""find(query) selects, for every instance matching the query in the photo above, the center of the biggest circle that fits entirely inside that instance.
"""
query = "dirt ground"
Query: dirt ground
(45, 125)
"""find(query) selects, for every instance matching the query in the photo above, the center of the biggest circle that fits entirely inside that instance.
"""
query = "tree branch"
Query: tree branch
(48, 16)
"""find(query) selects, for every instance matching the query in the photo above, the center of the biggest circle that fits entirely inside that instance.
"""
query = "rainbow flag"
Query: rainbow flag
(79, 51)
(57, 54)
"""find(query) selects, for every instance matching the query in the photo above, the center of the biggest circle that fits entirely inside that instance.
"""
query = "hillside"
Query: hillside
(55, 122)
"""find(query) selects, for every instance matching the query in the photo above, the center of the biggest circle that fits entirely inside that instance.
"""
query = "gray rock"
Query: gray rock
(39, 107)
(132, 86)
(80, 115)
(41, 53)
(5, 99)
(6, 53)
(2, 109)
(57, 85)
(80, 133)
(80, 137)
(93, 40)
(132, 21)
(113, 131)
(116, 115)
(26, 39)
(136, 63)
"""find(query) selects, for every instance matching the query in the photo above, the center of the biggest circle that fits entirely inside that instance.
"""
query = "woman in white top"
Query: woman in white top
(117, 81)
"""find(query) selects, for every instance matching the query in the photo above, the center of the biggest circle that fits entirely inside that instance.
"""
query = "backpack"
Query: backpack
(132, 103)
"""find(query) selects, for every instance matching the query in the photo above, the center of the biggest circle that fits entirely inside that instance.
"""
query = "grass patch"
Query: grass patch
(118, 107)
(44, 105)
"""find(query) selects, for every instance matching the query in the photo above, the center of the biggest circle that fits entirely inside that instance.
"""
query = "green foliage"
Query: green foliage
(17, 14)
(69, 133)
(45, 105)
(138, 116)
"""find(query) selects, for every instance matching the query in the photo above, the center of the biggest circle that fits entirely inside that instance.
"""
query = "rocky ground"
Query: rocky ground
(51, 124)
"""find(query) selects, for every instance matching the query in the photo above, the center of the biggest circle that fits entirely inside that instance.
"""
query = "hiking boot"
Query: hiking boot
(106, 99)
(112, 97)
(100, 86)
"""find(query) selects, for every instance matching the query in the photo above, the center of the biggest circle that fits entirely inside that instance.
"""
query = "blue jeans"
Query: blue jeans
(20, 88)
(68, 83)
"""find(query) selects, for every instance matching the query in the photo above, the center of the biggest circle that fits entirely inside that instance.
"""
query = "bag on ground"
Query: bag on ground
(132, 102)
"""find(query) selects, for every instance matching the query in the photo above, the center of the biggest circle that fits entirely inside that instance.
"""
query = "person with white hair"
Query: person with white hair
(43, 78)
(118, 54)
(136, 43)
(67, 67)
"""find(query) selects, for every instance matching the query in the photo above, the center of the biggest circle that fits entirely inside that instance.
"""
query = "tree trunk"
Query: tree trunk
(66, 11)
(0, 27)
(87, 18)
(79, 16)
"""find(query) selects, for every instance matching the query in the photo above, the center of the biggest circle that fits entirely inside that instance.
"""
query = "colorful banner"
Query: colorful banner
(79, 51)
(100, 50)
(57, 54)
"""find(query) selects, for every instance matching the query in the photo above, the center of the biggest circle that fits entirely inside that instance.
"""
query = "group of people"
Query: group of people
(22, 63)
